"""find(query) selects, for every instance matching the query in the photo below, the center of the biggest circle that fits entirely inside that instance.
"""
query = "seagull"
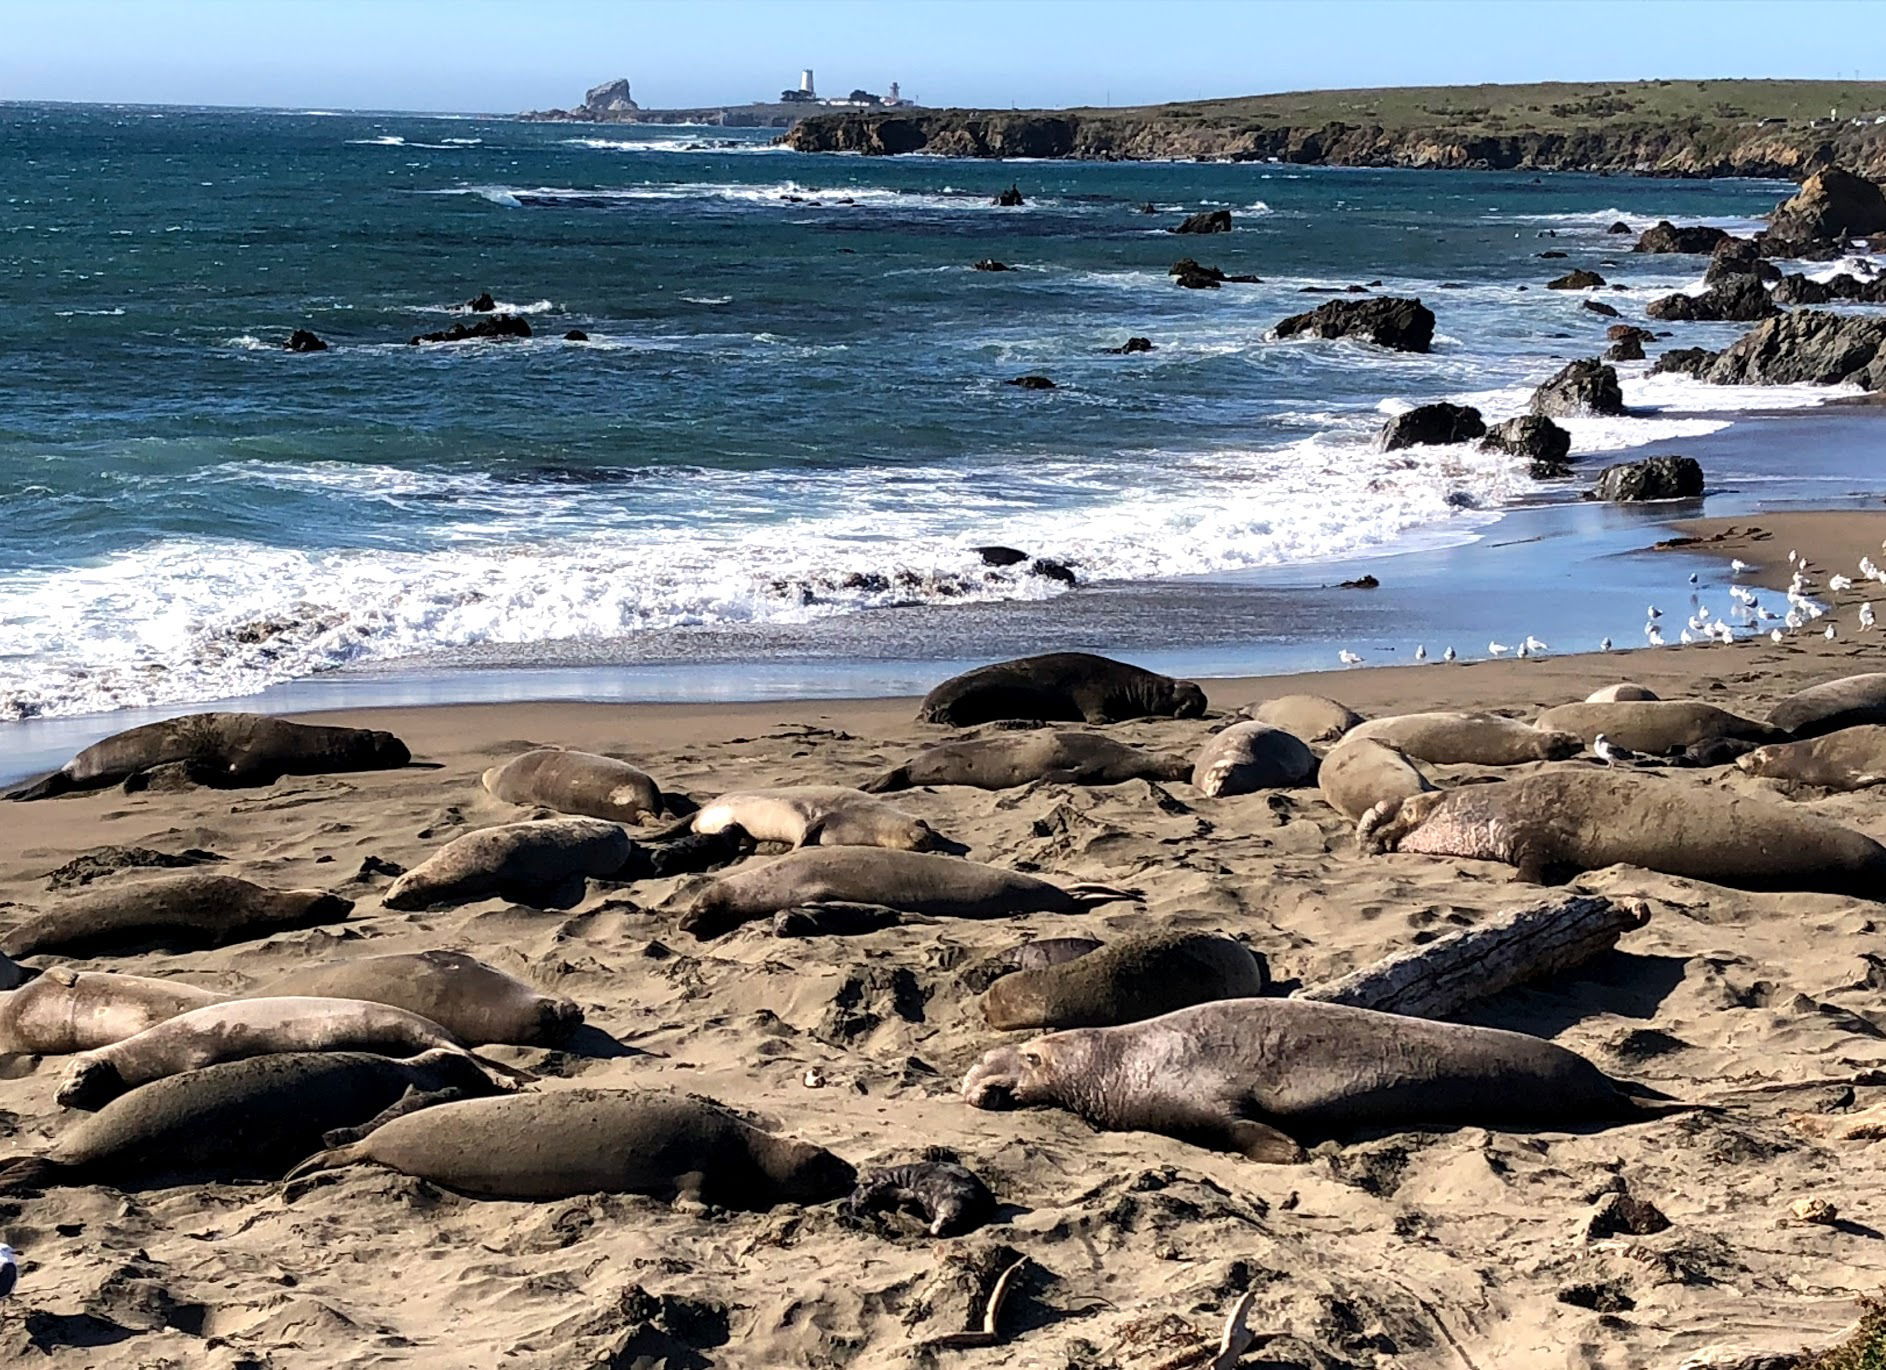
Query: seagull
(1829, 634)
(1838, 583)
(1685, 637)
(1609, 752)
(1655, 634)
(1702, 612)
(1692, 577)
(1740, 567)
(1448, 655)
(1793, 556)
(1348, 658)
(1776, 636)
(9, 1269)
(1523, 652)
(1866, 616)
(1653, 612)
(1421, 652)
(1605, 646)
(1532, 644)
(1497, 649)
(1723, 633)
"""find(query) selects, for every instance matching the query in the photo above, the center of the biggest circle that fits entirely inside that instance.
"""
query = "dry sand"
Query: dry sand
(1460, 1249)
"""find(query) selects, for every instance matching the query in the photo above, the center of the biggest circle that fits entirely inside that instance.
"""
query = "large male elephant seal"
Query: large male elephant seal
(1358, 773)
(816, 816)
(912, 882)
(476, 1003)
(176, 910)
(63, 1011)
(1251, 756)
(224, 749)
(1070, 687)
(543, 864)
(1851, 759)
(1255, 1075)
(1658, 726)
(1832, 705)
(584, 784)
(1134, 978)
(1059, 756)
(241, 1120)
(1310, 717)
(1464, 739)
(558, 1144)
(1557, 824)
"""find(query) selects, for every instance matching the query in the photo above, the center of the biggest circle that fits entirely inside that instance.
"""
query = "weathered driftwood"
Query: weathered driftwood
(1437, 979)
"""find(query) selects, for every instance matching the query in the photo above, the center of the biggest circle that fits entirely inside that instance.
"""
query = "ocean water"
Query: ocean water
(791, 409)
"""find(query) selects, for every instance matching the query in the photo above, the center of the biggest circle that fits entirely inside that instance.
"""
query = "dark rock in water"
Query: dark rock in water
(1739, 257)
(1192, 276)
(1132, 345)
(1809, 346)
(1667, 237)
(1032, 382)
(1010, 198)
(1576, 280)
(1742, 299)
(1552, 256)
(1625, 350)
(483, 304)
(1600, 307)
(1794, 290)
(1148, 208)
(1617, 332)
(498, 326)
(1652, 478)
(991, 264)
(1361, 583)
(1431, 425)
(1687, 361)
(1582, 387)
(1207, 221)
(576, 335)
(1620, 227)
(1831, 203)
(1538, 438)
(301, 340)
(1052, 570)
(1402, 324)
(999, 556)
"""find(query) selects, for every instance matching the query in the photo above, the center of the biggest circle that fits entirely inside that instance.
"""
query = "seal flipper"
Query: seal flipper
(1263, 1143)
(678, 805)
(27, 1174)
(44, 788)
(898, 779)
(1090, 896)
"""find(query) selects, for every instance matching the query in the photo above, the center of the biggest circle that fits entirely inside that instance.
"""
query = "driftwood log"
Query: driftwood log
(1436, 980)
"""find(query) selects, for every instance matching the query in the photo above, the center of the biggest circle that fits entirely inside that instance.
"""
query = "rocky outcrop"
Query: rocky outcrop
(1738, 299)
(1685, 361)
(1576, 280)
(1432, 425)
(1548, 446)
(481, 303)
(1401, 324)
(1652, 478)
(1207, 221)
(1625, 350)
(301, 340)
(1600, 308)
(1032, 383)
(1831, 204)
(611, 97)
(1132, 345)
(497, 327)
(991, 264)
(1739, 257)
(1793, 290)
(1582, 387)
(1618, 332)
(576, 335)
(1808, 346)
(1665, 236)
(1620, 229)
(1192, 276)
(1010, 198)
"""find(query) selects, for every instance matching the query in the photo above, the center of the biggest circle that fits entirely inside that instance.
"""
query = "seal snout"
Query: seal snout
(991, 1082)
(89, 1086)
(1188, 700)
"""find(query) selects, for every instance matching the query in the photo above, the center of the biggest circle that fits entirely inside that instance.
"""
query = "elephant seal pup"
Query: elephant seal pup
(543, 864)
(1851, 759)
(951, 1197)
(1624, 692)
(1310, 717)
(561, 1143)
(1358, 773)
(478, 1004)
(911, 882)
(1557, 824)
(241, 1120)
(1462, 739)
(1658, 726)
(816, 816)
(240, 1028)
(224, 749)
(1251, 756)
(1255, 1075)
(1060, 756)
(1071, 687)
(63, 1011)
(174, 910)
(582, 783)
(1125, 981)
(1832, 705)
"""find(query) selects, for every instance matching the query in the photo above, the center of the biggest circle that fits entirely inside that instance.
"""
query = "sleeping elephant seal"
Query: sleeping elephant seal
(174, 910)
(580, 783)
(476, 1003)
(1562, 823)
(1463, 739)
(562, 1143)
(1060, 756)
(816, 816)
(1832, 705)
(912, 882)
(241, 1120)
(543, 864)
(1072, 687)
(65, 1010)
(1658, 727)
(1255, 1075)
(1310, 717)
(1358, 773)
(10, 973)
(224, 749)
(1251, 756)
(1851, 759)
(1125, 981)
(1624, 692)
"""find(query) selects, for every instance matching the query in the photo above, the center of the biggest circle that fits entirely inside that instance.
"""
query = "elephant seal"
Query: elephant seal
(952, 1198)
(1565, 822)
(63, 1011)
(1358, 773)
(1658, 726)
(240, 1028)
(1125, 981)
(1255, 1075)
(1851, 759)
(1059, 756)
(911, 882)
(224, 749)
(1071, 687)
(584, 784)
(1624, 692)
(816, 816)
(11, 975)
(1832, 705)
(1463, 739)
(476, 1003)
(1251, 756)
(558, 1144)
(543, 864)
(175, 910)
(241, 1120)
(1310, 717)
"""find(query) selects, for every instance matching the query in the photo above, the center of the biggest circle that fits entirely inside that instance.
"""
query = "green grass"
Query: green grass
(1865, 1349)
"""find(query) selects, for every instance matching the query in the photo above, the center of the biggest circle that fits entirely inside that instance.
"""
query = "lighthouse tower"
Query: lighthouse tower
(805, 84)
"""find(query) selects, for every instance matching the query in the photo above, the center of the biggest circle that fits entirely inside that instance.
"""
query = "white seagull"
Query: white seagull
(1448, 655)
(1776, 636)
(1692, 577)
(1497, 649)
(1653, 612)
(1605, 646)
(1866, 616)
(1609, 752)
(1740, 567)
(1723, 633)
(9, 1269)
(1837, 583)
(1685, 637)
(1830, 635)
(1655, 634)
(1421, 652)
(1533, 644)
(1348, 658)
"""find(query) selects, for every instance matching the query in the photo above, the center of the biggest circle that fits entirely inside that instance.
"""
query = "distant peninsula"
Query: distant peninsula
(612, 103)
(1659, 128)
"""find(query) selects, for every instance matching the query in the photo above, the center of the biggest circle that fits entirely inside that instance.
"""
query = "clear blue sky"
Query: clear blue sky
(505, 55)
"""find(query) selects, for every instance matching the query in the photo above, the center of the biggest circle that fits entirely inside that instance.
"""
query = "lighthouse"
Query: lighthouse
(805, 85)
